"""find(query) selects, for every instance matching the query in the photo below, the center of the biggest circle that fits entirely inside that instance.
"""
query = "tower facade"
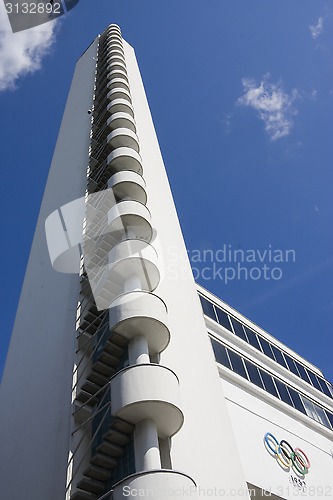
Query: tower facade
(110, 387)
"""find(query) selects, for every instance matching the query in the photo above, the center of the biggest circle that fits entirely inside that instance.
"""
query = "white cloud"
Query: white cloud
(317, 29)
(275, 107)
(22, 53)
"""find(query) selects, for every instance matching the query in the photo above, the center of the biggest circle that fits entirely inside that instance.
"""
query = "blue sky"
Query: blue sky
(241, 94)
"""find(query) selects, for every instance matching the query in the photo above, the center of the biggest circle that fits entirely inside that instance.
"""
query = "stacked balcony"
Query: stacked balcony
(128, 400)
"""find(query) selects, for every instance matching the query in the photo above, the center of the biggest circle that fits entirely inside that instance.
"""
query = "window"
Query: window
(223, 318)
(207, 307)
(291, 364)
(296, 399)
(330, 417)
(314, 380)
(268, 383)
(238, 329)
(220, 354)
(324, 387)
(252, 338)
(283, 391)
(266, 347)
(254, 374)
(237, 364)
(302, 372)
(279, 356)
(315, 412)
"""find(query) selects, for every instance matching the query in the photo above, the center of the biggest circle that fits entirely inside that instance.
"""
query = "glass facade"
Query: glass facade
(257, 341)
(271, 384)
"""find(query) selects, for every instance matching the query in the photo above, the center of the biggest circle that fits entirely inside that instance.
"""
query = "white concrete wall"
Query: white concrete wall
(35, 409)
(205, 447)
(252, 417)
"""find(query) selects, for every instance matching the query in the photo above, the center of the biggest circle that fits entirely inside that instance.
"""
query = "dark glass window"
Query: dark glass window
(284, 394)
(302, 372)
(314, 380)
(239, 330)
(252, 338)
(330, 417)
(220, 354)
(266, 347)
(268, 382)
(279, 356)
(237, 364)
(324, 387)
(207, 308)
(223, 318)
(296, 400)
(254, 375)
(291, 364)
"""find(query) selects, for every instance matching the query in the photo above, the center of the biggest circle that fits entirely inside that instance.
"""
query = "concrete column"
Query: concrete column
(147, 453)
(138, 351)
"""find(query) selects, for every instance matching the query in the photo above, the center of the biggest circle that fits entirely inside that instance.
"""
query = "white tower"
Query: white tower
(110, 386)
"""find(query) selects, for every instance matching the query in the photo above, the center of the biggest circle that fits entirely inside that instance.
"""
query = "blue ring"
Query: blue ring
(267, 435)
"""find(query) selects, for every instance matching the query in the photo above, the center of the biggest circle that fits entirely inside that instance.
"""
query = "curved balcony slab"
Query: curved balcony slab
(145, 313)
(115, 46)
(114, 35)
(117, 73)
(117, 65)
(119, 93)
(164, 484)
(148, 391)
(121, 120)
(125, 159)
(130, 216)
(116, 53)
(128, 186)
(120, 106)
(118, 82)
(123, 138)
(115, 59)
(134, 257)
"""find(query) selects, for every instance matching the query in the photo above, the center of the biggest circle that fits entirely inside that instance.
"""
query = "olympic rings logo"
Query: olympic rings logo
(286, 455)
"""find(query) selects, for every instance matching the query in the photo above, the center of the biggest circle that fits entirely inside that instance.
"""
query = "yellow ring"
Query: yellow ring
(279, 454)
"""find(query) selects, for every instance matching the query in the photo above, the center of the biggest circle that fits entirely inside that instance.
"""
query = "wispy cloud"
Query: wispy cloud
(22, 53)
(274, 106)
(317, 28)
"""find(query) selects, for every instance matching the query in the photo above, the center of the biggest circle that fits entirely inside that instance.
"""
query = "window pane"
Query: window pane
(291, 364)
(309, 408)
(330, 417)
(254, 375)
(252, 338)
(207, 308)
(314, 380)
(279, 356)
(302, 372)
(269, 384)
(266, 347)
(321, 416)
(324, 387)
(238, 328)
(296, 400)
(220, 353)
(284, 394)
(237, 364)
(223, 318)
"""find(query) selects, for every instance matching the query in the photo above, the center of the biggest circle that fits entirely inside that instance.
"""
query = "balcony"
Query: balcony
(128, 186)
(121, 120)
(148, 391)
(118, 83)
(125, 159)
(123, 137)
(120, 106)
(118, 93)
(139, 312)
